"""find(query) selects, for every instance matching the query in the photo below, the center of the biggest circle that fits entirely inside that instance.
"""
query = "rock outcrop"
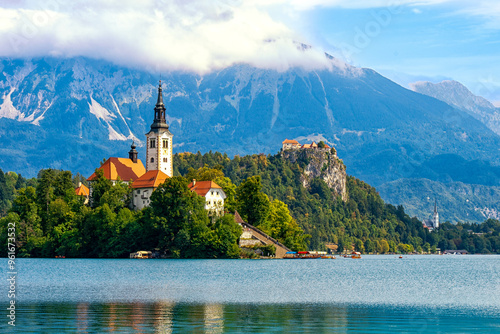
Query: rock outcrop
(320, 163)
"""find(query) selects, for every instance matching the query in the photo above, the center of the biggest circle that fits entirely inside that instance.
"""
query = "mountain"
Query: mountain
(457, 95)
(457, 201)
(72, 113)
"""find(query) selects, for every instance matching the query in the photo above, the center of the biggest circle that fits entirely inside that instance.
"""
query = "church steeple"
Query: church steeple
(159, 120)
(435, 216)
(159, 140)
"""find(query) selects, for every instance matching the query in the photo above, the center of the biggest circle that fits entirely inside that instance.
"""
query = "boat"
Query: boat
(355, 255)
(142, 255)
(301, 255)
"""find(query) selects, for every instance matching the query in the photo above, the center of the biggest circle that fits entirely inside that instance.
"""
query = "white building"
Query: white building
(433, 222)
(144, 186)
(213, 193)
(289, 144)
(159, 141)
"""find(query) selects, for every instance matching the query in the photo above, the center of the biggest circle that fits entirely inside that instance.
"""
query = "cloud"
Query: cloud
(193, 35)
(358, 4)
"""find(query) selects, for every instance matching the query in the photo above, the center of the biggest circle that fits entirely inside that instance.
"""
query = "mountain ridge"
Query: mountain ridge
(77, 111)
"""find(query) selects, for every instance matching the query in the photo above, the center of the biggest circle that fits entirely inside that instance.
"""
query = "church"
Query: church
(159, 166)
(433, 222)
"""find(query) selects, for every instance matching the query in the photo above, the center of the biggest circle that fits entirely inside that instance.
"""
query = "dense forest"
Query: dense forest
(364, 222)
(51, 220)
(267, 192)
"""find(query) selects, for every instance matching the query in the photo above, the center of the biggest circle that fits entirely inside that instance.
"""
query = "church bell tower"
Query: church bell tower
(435, 216)
(159, 140)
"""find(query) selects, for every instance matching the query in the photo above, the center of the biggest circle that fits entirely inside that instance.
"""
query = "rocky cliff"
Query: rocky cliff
(323, 163)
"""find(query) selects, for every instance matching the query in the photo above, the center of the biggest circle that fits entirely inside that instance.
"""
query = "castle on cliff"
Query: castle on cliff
(290, 144)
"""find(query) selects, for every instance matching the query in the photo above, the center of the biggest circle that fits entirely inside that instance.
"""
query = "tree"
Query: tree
(204, 174)
(384, 246)
(100, 185)
(230, 191)
(281, 226)
(318, 186)
(117, 197)
(45, 193)
(177, 213)
(359, 246)
(253, 204)
(227, 233)
(370, 246)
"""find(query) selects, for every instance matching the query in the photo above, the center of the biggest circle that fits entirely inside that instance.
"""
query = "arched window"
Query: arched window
(152, 159)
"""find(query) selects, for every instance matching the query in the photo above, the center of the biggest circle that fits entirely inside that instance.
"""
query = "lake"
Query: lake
(375, 294)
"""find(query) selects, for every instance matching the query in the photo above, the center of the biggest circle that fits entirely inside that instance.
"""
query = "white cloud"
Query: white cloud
(193, 35)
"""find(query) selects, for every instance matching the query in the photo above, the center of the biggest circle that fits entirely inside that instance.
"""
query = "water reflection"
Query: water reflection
(167, 317)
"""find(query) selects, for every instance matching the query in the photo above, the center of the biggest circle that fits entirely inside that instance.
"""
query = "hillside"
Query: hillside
(457, 201)
(268, 191)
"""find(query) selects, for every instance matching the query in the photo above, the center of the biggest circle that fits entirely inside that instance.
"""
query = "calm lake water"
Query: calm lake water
(375, 294)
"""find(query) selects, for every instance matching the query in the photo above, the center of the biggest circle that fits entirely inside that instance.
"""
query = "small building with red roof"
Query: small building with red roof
(83, 191)
(126, 170)
(290, 144)
(213, 193)
(144, 186)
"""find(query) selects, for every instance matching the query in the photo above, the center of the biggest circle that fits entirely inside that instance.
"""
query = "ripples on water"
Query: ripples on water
(376, 294)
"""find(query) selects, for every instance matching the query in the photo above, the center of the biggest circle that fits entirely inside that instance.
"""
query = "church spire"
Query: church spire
(435, 206)
(159, 120)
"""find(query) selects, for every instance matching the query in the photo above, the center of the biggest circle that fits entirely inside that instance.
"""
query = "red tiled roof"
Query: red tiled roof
(122, 168)
(203, 187)
(82, 190)
(151, 179)
(290, 141)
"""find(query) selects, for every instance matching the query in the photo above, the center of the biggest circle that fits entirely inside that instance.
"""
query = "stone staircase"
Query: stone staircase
(261, 236)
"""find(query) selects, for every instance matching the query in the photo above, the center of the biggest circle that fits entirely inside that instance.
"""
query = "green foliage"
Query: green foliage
(317, 210)
(253, 205)
(100, 185)
(204, 174)
(229, 189)
(280, 225)
(267, 191)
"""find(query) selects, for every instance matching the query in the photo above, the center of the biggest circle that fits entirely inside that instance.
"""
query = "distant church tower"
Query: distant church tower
(435, 216)
(159, 141)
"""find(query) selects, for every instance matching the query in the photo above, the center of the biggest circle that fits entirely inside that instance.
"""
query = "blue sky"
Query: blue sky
(449, 40)
(405, 40)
